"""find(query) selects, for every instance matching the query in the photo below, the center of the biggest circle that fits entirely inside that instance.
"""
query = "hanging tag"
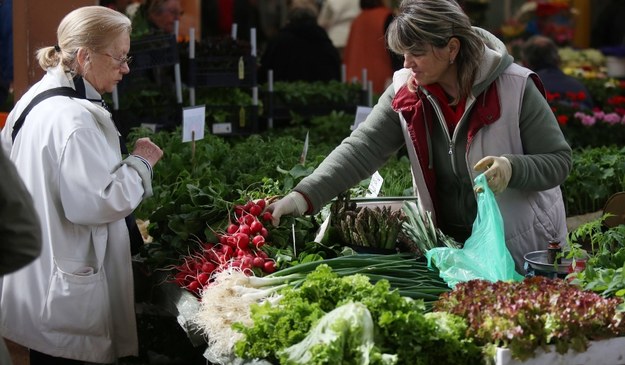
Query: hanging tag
(242, 117)
(241, 68)
(302, 157)
(375, 185)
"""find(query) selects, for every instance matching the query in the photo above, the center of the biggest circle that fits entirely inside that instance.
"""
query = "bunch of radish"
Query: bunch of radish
(239, 247)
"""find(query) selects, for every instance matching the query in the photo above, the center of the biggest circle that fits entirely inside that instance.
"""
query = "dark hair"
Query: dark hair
(540, 52)
(421, 24)
(370, 4)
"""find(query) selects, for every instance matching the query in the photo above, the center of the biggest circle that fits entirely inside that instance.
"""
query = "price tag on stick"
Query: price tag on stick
(193, 123)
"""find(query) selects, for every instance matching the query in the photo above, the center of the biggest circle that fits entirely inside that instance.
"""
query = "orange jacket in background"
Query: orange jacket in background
(366, 48)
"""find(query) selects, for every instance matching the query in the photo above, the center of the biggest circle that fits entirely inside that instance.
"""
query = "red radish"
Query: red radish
(238, 210)
(213, 255)
(267, 216)
(248, 206)
(256, 210)
(269, 266)
(242, 238)
(231, 241)
(202, 278)
(262, 203)
(246, 261)
(258, 261)
(232, 228)
(256, 226)
(262, 254)
(258, 241)
(180, 278)
(236, 264)
(227, 253)
(248, 219)
(208, 267)
(193, 286)
(264, 232)
(245, 229)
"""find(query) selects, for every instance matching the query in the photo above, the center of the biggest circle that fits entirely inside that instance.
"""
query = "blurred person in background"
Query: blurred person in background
(540, 54)
(301, 51)
(336, 18)
(218, 16)
(75, 303)
(366, 46)
(156, 16)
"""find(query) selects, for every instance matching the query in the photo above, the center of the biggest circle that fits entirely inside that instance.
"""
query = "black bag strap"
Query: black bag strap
(57, 91)
(136, 239)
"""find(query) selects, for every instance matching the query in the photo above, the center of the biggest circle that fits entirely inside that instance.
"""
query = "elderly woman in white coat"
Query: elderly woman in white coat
(75, 302)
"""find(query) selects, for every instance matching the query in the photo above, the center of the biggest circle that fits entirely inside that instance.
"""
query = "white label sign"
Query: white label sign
(193, 123)
(361, 114)
(375, 185)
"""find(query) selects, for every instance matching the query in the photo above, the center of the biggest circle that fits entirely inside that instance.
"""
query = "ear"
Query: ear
(454, 47)
(82, 57)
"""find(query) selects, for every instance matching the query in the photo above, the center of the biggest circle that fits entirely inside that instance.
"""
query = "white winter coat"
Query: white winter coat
(76, 301)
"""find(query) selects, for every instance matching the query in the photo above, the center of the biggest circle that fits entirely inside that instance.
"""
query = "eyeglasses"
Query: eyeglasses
(126, 59)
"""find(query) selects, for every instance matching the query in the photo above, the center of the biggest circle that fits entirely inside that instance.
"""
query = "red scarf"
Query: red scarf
(452, 113)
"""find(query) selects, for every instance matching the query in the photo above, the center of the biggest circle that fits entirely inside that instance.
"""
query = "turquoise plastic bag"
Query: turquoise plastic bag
(484, 255)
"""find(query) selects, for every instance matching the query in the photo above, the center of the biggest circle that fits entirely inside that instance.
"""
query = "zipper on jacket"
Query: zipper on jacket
(450, 140)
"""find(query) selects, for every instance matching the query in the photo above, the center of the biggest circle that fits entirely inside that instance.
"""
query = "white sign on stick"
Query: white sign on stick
(193, 123)
(361, 114)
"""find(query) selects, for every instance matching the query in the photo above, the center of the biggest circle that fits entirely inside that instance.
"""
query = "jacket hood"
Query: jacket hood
(495, 60)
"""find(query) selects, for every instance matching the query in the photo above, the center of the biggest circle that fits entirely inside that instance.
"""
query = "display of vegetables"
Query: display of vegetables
(376, 227)
(230, 296)
(238, 247)
(531, 314)
(301, 326)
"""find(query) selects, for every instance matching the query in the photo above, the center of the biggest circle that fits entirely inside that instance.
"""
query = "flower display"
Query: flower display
(603, 125)
(551, 18)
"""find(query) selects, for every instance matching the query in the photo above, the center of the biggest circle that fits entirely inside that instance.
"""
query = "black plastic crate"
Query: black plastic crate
(222, 71)
(232, 120)
(154, 51)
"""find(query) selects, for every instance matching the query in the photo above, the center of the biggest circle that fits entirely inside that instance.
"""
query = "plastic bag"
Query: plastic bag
(484, 255)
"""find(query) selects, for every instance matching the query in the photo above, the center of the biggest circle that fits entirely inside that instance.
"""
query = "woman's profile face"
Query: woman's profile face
(109, 66)
(429, 66)
(433, 64)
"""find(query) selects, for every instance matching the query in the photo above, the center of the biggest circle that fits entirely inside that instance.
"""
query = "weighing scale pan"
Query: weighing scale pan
(538, 261)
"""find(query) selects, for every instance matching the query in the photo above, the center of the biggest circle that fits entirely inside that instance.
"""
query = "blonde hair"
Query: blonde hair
(432, 23)
(91, 27)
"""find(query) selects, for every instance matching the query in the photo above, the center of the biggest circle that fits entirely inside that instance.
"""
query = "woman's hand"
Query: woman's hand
(498, 172)
(293, 204)
(146, 149)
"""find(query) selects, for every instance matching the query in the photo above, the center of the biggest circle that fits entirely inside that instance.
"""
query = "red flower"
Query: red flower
(616, 100)
(549, 9)
(562, 119)
(552, 96)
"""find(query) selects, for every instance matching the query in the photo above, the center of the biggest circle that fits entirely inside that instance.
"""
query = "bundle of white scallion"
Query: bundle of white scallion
(420, 229)
(229, 297)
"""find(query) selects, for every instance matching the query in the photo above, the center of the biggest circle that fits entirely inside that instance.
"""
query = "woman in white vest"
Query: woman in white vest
(75, 302)
(461, 106)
